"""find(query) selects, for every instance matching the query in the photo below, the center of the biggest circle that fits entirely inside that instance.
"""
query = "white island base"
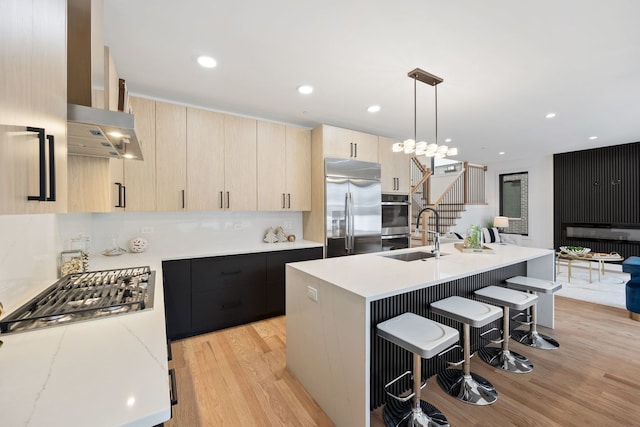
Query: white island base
(331, 344)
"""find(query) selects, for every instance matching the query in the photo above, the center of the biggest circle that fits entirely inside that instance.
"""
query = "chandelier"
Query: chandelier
(410, 146)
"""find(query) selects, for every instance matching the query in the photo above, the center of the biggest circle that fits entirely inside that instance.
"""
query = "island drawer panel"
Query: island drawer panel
(220, 272)
(388, 360)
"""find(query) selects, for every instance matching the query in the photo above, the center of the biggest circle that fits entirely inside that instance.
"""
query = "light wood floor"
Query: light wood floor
(238, 377)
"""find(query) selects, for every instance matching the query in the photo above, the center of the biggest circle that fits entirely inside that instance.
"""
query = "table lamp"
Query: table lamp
(501, 222)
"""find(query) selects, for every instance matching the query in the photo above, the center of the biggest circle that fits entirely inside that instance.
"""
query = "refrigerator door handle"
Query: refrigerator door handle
(346, 222)
(351, 225)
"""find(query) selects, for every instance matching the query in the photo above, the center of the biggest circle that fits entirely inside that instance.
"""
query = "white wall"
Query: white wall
(30, 245)
(540, 196)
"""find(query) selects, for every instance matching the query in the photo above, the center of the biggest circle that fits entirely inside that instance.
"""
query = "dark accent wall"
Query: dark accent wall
(598, 188)
(388, 361)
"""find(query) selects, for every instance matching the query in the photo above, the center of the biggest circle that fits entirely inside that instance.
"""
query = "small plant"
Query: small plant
(474, 237)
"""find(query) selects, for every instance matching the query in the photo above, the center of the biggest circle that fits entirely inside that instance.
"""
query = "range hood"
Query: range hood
(92, 131)
(97, 132)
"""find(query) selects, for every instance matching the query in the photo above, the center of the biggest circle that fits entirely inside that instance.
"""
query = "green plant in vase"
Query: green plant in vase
(474, 237)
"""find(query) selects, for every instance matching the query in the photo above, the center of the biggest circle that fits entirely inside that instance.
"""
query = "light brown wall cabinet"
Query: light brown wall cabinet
(284, 167)
(133, 182)
(205, 160)
(349, 144)
(33, 94)
(396, 169)
(171, 157)
(240, 164)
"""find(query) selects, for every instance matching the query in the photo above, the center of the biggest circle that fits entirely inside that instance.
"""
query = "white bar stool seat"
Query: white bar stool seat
(462, 383)
(425, 339)
(503, 358)
(538, 286)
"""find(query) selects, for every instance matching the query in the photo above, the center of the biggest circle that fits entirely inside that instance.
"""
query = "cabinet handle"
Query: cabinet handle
(41, 165)
(52, 169)
(174, 388)
(355, 151)
(169, 352)
(124, 196)
(283, 205)
(230, 273)
(351, 152)
(182, 199)
(289, 200)
(119, 205)
(221, 201)
(228, 200)
(230, 305)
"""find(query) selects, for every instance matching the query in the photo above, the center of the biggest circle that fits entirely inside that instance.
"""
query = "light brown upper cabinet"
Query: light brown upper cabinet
(240, 174)
(396, 169)
(171, 156)
(205, 160)
(133, 182)
(349, 144)
(284, 167)
(33, 93)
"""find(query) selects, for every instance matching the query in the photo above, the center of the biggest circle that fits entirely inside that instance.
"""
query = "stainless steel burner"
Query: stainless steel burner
(85, 296)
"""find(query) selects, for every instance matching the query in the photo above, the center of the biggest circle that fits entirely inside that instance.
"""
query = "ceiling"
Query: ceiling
(505, 65)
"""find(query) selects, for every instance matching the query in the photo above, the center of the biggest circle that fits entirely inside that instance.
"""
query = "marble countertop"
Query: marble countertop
(380, 277)
(107, 372)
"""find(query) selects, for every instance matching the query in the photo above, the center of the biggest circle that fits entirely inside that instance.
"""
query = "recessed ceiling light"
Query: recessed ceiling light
(207, 61)
(305, 89)
(447, 140)
(373, 108)
(593, 137)
(550, 115)
(501, 153)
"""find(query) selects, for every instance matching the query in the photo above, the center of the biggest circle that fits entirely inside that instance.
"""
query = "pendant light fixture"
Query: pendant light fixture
(410, 146)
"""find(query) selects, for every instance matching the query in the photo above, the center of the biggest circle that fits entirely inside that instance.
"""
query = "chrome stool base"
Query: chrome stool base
(470, 388)
(398, 413)
(509, 361)
(535, 339)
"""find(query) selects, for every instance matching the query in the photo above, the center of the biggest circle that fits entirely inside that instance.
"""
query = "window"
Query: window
(514, 201)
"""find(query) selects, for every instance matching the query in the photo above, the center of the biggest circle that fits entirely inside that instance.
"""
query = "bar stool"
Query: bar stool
(425, 339)
(502, 358)
(532, 337)
(462, 383)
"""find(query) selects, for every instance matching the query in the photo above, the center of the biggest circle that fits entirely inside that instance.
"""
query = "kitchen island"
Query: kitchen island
(334, 304)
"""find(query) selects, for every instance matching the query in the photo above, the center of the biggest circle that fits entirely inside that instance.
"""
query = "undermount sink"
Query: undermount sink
(412, 256)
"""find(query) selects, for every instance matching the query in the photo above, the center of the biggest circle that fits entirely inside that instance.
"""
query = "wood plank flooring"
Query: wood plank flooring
(238, 377)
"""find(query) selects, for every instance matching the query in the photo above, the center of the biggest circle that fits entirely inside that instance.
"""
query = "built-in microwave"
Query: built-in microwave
(396, 211)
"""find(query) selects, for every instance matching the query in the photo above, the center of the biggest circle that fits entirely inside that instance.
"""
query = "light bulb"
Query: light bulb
(397, 147)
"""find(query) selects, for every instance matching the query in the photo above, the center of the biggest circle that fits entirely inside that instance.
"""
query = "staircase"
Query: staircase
(466, 188)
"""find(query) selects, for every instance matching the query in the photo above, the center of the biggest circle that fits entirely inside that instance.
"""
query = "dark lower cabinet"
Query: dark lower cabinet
(207, 294)
(176, 278)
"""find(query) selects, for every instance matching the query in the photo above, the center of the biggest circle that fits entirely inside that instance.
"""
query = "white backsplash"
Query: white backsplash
(31, 244)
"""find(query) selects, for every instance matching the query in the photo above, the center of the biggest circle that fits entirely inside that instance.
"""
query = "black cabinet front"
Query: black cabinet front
(207, 294)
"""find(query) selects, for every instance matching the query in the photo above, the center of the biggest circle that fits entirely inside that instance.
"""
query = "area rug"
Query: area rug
(609, 290)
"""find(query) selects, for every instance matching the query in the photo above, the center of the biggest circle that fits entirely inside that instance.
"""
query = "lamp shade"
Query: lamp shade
(501, 222)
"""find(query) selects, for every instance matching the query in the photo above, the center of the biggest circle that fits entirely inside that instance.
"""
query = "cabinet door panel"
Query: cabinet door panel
(229, 305)
(240, 163)
(298, 165)
(205, 160)
(171, 156)
(177, 297)
(396, 168)
(209, 274)
(140, 176)
(272, 166)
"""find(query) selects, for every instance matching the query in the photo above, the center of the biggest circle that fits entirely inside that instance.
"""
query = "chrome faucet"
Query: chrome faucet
(436, 245)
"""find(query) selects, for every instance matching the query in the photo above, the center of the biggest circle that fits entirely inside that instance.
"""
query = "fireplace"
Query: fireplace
(621, 238)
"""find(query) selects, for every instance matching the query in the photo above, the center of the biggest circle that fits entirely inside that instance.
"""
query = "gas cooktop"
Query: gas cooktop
(85, 296)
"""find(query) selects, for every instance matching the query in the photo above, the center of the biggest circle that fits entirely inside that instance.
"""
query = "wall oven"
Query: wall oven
(396, 211)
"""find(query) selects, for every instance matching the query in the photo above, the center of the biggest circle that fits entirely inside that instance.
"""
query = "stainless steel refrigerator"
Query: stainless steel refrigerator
(353, 209)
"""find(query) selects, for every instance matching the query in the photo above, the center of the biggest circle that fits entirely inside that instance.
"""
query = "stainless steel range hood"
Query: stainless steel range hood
(101, 133)
(91, 131)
